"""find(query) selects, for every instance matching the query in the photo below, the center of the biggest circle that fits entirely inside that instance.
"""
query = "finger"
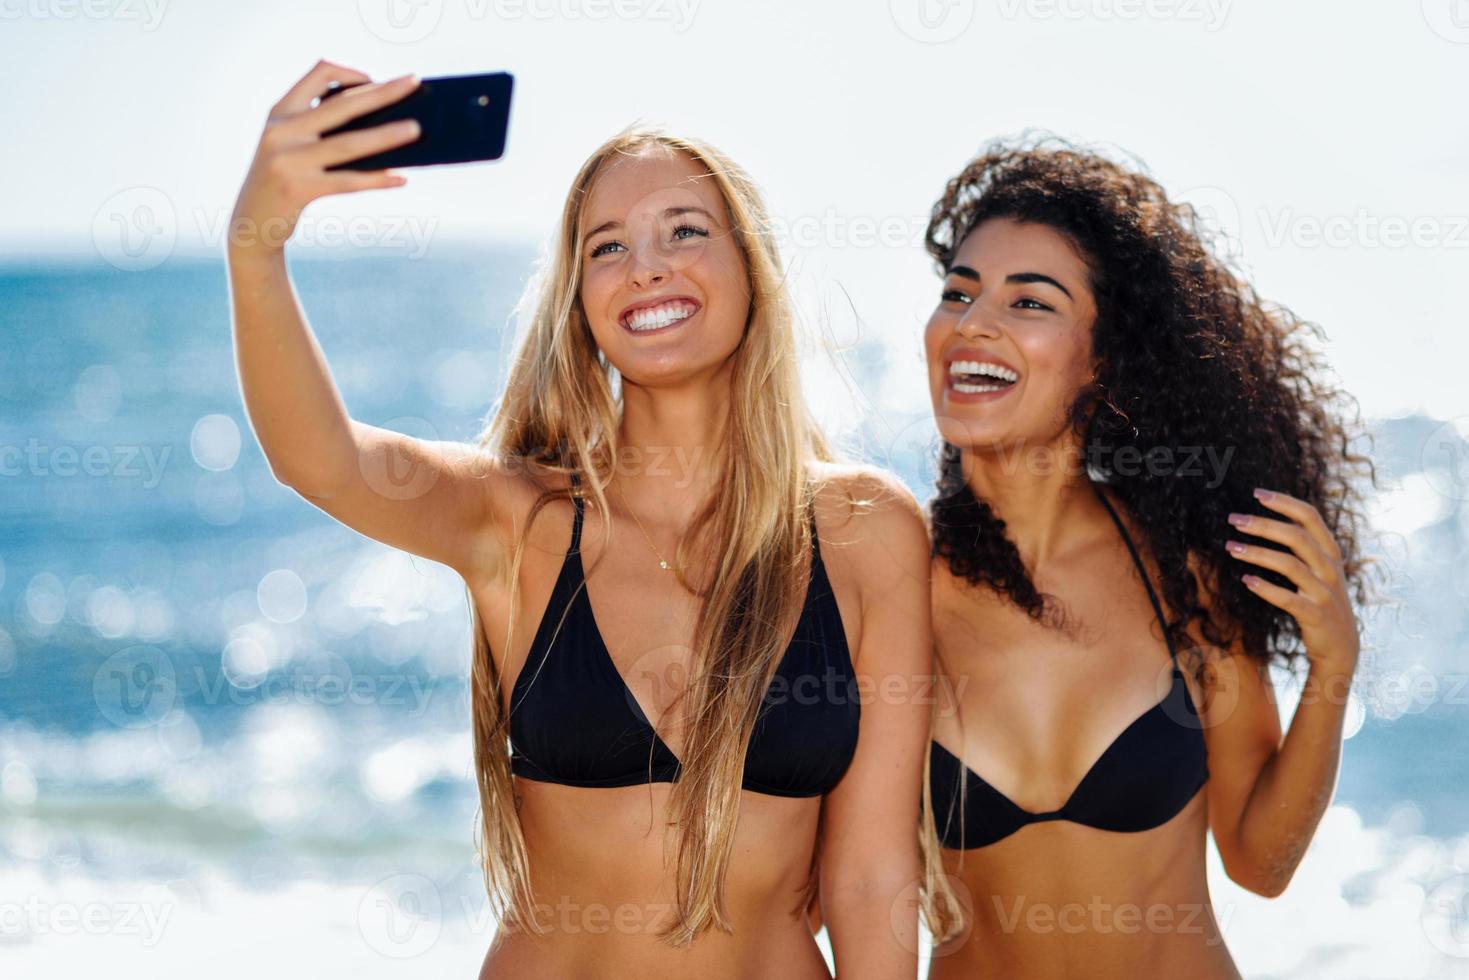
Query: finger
(347, 181)
(1293, 536)
(1287, 564)
(363, 142)
(313, 83)
(359, 101)
(1292, 602)
(1304, 514)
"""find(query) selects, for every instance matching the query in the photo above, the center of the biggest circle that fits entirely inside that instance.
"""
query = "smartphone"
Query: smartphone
(462, 118)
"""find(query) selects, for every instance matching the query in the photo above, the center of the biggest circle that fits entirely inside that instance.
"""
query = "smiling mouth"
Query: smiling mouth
(648, 318)
(979, 377)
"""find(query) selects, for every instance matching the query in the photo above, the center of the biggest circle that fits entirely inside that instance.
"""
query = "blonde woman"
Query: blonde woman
(681, 601)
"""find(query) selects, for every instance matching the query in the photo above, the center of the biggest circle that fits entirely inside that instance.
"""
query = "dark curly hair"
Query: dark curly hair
(1191, 361)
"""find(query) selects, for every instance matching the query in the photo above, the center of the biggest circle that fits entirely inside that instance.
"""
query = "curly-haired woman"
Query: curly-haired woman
(1147, 493)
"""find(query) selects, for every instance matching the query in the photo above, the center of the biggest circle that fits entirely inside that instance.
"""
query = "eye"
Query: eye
(1038, 304)
(954, 296)
(679, 236)
(604, 248)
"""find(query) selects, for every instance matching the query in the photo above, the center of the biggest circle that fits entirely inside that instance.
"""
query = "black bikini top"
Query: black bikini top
(574, 721)
(1144, 778)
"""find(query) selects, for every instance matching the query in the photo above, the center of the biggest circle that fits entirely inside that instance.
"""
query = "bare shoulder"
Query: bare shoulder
(862, 492)
(511, 489)
(871, 516)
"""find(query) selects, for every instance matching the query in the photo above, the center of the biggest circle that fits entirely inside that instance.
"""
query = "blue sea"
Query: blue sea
(234, 734)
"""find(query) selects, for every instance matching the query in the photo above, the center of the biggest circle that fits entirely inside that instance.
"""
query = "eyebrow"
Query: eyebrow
(1021, 277)
(667, 213)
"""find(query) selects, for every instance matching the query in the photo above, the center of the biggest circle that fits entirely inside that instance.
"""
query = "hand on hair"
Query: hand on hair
(1320, 602)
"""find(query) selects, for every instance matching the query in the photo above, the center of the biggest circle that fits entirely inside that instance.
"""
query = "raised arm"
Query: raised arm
(1268, 793)
(431, 499)
(870, 862)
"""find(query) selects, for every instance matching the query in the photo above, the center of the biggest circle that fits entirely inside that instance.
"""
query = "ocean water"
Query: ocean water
(234, 734)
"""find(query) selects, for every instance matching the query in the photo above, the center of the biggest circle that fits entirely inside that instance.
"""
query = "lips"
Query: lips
(657, 314)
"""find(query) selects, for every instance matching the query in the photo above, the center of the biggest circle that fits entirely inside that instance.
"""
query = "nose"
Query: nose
(642, 274)
(647, 265)
(976, 322)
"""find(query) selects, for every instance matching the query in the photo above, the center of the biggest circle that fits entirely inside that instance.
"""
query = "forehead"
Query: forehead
(649, 181)
(1004, 244)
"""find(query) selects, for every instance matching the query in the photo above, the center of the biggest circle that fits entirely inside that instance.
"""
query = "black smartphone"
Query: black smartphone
(462, 118)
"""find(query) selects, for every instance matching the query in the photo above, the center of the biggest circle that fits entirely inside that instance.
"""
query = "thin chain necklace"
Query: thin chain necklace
(662, 562)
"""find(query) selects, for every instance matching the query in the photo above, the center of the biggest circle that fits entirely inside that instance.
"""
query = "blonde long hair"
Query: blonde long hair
(943, 909)
(560, 412)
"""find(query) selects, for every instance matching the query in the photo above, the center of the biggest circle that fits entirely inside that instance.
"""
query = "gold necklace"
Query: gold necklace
(662, 562)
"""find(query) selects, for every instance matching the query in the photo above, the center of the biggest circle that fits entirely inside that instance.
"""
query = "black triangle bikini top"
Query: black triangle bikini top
(1143, 779)
(574, 721)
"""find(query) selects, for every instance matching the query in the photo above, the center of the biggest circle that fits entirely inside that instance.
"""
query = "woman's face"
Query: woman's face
(664, 284)
(1009, 345)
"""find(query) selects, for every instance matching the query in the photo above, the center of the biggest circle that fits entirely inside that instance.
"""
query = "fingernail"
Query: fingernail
(1239, 520)
(1250, 580)
(1234, 547)
(1262, 494)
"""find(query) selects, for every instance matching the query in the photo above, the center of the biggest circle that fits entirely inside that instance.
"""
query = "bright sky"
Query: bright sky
(1326, 136)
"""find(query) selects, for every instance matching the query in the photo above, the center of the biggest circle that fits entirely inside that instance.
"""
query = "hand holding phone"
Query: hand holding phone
(336, 131)
(462, 118)
(291, 164)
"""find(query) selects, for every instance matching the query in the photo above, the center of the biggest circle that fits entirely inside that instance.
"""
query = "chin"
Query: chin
(664, 373)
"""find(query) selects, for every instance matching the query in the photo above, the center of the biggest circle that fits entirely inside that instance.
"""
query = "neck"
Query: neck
(1044, 497)
(670, 439)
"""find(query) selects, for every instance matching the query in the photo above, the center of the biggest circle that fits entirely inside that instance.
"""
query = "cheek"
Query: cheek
(721, 272)
(730, 273)
(1059, 364)
(594, 281)
(1056, 349)
(1078, 365)
(934, 334)
(598, 287)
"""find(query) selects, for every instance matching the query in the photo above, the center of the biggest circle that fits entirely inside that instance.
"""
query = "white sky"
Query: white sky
(1278, 117)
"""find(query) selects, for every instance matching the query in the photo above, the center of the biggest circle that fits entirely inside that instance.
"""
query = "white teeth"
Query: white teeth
(984, 368)
(654, 317)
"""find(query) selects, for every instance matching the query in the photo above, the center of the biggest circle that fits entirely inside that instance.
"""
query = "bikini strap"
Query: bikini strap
(815, 543)
(576, 500)
(1141, 569)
